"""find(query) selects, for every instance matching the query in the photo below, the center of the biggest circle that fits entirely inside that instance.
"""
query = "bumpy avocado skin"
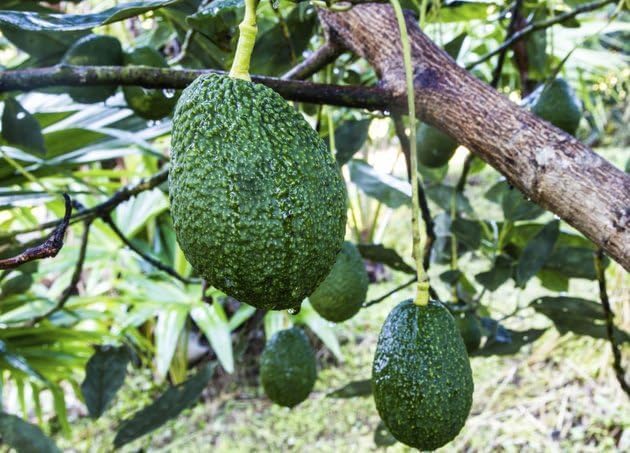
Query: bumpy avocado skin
(558, 104)
(288, 369)
(340, 296)
(434, 147)
(150, 104)
(258, 203)
(421, 376)
(469, 328)
(94, 50)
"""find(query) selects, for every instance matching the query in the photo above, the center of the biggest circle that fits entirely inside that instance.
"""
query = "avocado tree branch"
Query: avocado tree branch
(323, 56)
(550, 167)
(610, 322)
(49, 248)
(541, 25)
(372, 98)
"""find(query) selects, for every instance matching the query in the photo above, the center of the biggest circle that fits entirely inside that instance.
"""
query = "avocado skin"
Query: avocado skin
(288, 369)
(258, 202)
(341, 295)
(434, 147)
(558, 104)
(150, 104)
(469, 328)
(421, 376)
(94, 50)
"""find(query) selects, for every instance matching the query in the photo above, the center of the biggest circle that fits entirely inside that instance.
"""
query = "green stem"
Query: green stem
(422, 295)
(246, 41)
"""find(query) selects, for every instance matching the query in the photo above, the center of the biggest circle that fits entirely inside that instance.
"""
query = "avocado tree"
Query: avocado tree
(199, 201)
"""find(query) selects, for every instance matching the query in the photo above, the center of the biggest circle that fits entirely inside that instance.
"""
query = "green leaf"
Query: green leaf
(573, 262)
(503, 341)
(169, 324)
(387, 189)
(275, 321)
(320, 327)
(242, 314)
(553, 280)
(382, 436)
(35, 21)
(499, 274)
(213, 323)
(23, 436)
(350, 136)
(536, 253)
(381, 254)
(21, 129)
(536, 46)
(580, 316)
(169, 405)
(442, 195)
(467, 232)
(516, 207)
(353, 389)
(455, 45)
(104, 375)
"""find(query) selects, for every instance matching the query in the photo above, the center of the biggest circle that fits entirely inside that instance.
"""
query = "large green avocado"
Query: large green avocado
(341, 295)
(258, 202)
(558, 104)
(288, 368)
(421, 376)
(434, 147)
(94, 50)
(150, 104)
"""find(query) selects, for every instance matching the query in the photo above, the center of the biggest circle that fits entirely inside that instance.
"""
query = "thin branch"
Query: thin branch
(74, 281)
(148, 258)
(536, 26)
(320, 58)
(122, 195)
(371, 98)
(515, 14)
(610, 326)
(390, 293)
(461, 183)
(49, 248)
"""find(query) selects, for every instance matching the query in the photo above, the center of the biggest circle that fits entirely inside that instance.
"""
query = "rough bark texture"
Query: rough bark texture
(549, 166)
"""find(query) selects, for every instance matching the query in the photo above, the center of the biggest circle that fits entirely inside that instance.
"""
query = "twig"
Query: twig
(461, 183)
(122, 195)
(390, 293)
(372, 98)
(536, 26)
(515, 14)
(49, 248)
(399, 125)
(151, 260)
(610, 326)
(74, 281)
(320, 58)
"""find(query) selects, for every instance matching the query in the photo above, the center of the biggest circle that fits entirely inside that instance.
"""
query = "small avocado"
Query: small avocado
(150, 104)
(469, 328)
(288, 368)
(94, 50)
(421, 376)
(434, 147)
(258, 202)
(557, 104)
(341, 295)
(18, 284)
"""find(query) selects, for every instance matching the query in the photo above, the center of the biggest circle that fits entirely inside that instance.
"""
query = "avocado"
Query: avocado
(93, 50)
(421, 376)
(469, 328)
(288, 368)
(150, 104)
(557, 104)
(341, 295)
(18, 284)
(258, 202)
(434, 147)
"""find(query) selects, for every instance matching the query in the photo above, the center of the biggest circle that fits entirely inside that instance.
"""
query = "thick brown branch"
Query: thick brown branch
(294, 90)
(48, 249)
(549, 166)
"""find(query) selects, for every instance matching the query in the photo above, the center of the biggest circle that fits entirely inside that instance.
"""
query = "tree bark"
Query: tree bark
(549, 166)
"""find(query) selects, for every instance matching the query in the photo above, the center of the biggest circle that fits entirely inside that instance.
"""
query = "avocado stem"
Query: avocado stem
(419, 239)
(246, 41)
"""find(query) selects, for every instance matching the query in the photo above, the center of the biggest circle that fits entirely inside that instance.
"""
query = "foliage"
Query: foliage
(126, 310)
